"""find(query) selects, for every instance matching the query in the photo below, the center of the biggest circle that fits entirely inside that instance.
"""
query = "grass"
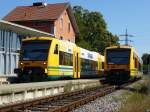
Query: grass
(138, 100)
(136, 103)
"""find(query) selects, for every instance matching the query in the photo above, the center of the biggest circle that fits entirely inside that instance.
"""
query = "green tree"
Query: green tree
(93, 33)
(145, 58)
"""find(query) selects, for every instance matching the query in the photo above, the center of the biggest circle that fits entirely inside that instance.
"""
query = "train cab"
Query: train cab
(121, 64)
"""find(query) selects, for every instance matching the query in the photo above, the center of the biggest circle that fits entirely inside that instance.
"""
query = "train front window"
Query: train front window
(36, 50)
(118, 56)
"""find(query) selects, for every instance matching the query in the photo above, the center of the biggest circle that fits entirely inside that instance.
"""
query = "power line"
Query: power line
(126, 35)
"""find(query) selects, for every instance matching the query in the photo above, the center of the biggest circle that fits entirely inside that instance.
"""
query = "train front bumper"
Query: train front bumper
(117, 75)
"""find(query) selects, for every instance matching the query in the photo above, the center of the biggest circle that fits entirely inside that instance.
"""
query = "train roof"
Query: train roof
(124, 47)
(119, 46)
(48, 38)
(37, 38)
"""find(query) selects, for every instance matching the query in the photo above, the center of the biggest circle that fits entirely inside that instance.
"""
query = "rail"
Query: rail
(61, 103)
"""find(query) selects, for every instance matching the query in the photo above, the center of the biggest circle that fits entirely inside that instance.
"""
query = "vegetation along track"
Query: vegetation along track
(60, 103)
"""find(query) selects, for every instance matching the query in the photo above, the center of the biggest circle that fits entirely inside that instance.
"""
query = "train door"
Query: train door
(53, 60)
(76, 64)
(99, 66)
(132, 64)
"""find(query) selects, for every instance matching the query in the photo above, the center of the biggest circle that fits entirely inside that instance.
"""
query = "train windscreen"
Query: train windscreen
(118, 56)
(35, 50)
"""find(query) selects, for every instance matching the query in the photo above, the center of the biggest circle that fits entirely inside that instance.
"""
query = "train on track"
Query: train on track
(45, 58)
(122, 64)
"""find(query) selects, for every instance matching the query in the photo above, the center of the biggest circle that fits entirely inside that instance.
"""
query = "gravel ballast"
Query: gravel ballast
(109, 103)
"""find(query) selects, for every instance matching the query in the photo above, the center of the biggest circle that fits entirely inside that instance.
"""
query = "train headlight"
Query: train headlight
(44, 63)
(21, 63)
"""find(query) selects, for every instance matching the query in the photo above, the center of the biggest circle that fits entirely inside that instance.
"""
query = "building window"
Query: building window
(61, 38)
(68, 27)
(61, 23)
(2, 40)
(52, 29)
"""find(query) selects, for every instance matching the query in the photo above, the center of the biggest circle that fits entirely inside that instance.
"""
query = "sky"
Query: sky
(119, 15)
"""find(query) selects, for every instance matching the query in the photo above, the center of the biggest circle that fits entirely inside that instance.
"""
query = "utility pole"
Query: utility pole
(148, 60)
(126, 35)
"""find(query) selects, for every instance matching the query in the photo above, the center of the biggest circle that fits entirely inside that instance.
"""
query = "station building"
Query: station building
(57, 19)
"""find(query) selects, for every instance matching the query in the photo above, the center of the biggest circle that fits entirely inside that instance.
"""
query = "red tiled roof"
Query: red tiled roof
(49, 12)
(24, 13)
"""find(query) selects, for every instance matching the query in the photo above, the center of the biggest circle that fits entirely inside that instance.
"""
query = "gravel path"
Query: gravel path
(108, 103)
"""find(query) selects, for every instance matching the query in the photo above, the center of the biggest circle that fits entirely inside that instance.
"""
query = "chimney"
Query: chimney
(40, 4)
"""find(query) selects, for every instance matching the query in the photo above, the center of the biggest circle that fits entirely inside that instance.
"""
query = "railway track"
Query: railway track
(60, 103)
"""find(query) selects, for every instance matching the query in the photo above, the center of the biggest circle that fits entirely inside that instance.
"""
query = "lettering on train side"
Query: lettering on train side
(69, 50)
(90, 56)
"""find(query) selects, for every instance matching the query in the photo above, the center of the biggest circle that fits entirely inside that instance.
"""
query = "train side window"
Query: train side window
(88, 65)
(135, 62)
(65, 58)
(56, 49)
(134, 56)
